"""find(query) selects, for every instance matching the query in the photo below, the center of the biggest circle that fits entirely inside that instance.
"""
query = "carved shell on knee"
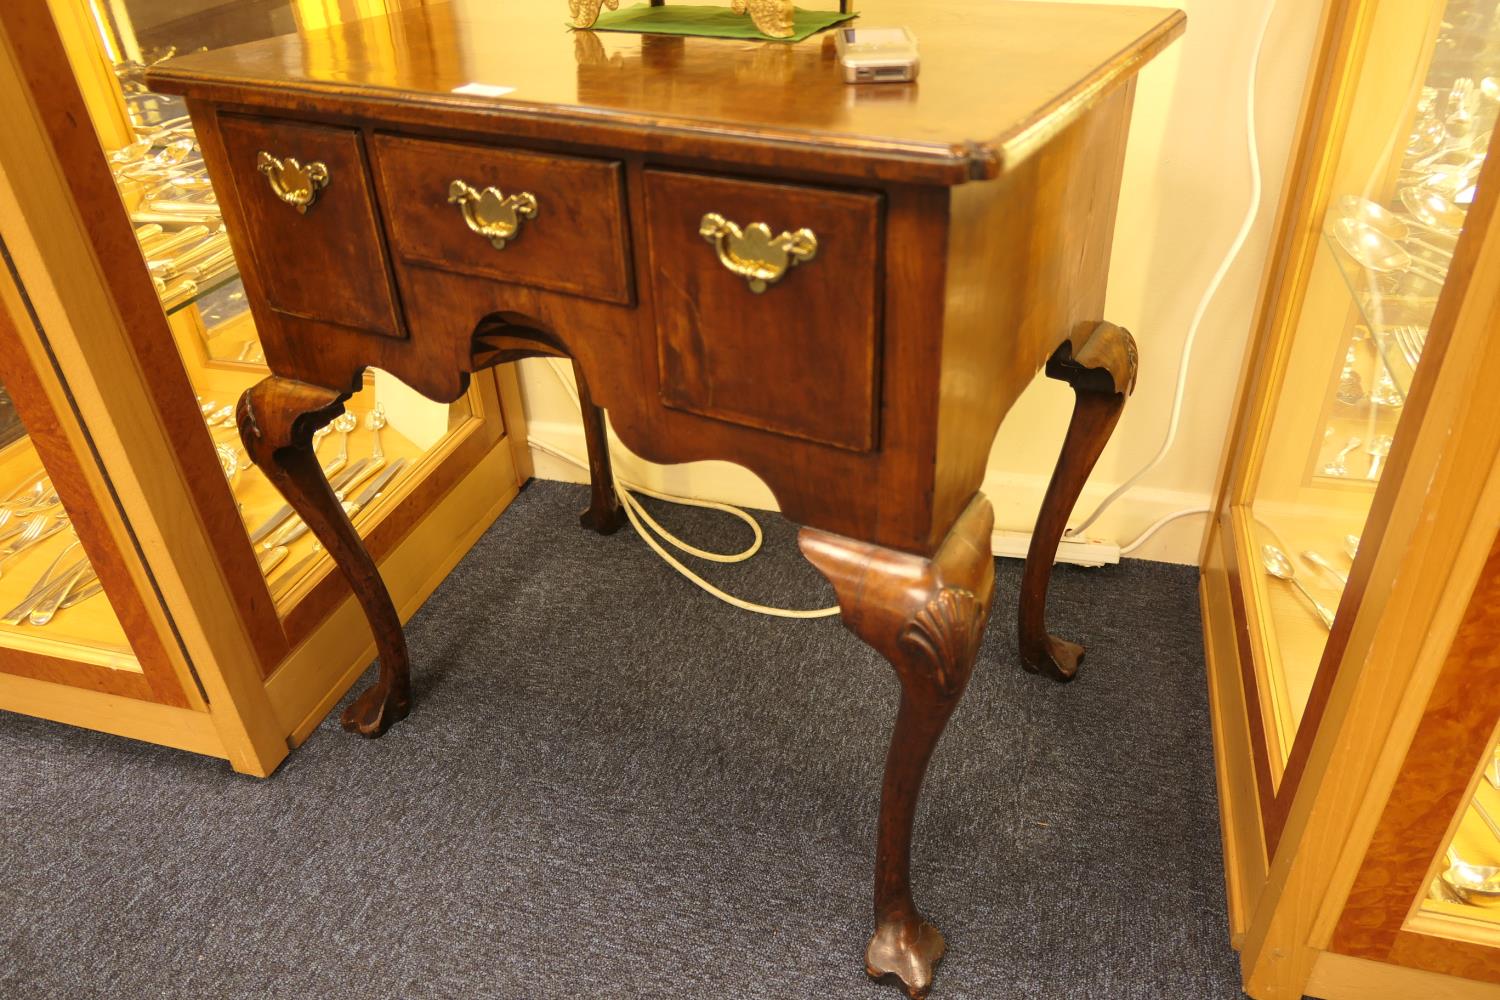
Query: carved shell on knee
(771, 17)
(946, 633)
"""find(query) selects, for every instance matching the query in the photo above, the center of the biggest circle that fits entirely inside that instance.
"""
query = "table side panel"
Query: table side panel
(1028, 267)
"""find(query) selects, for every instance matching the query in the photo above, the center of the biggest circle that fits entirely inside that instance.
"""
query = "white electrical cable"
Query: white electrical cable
(1160, 523)
(639, 518)
(1185, 359)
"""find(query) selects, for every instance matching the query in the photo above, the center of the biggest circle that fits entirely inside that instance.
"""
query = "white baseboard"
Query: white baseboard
(1016, 498)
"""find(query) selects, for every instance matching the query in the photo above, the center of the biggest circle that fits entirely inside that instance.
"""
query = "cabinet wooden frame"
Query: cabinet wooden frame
(224, 669)
(1329, 852)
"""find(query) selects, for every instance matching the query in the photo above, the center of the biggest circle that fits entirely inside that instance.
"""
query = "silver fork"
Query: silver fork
(39, 527)
(43, 584)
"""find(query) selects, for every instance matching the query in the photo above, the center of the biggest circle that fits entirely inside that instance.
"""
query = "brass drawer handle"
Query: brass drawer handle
(753, 253)
(495, 216)
(293, 183)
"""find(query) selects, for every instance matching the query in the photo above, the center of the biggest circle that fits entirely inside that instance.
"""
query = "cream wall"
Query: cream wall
(1186, 188)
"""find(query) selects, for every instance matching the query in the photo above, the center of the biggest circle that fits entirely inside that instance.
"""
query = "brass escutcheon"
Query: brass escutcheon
(495, 216)
(293, 183)
(753, 253)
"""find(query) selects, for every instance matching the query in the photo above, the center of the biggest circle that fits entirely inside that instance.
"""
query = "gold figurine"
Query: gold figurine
(771, 17)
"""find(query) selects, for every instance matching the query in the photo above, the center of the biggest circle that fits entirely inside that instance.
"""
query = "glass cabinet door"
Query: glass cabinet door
(1410, 145)
(391, 438)
(52, 601)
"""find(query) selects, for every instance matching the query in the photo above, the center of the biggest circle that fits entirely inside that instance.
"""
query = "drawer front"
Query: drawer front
(554, 222)
(305, 196)
(772, 333)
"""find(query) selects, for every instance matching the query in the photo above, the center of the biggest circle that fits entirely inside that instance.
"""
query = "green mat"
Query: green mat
(710, 22)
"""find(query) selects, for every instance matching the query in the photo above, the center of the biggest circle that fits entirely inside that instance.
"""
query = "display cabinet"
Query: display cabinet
(151, 583)
(1352, 567)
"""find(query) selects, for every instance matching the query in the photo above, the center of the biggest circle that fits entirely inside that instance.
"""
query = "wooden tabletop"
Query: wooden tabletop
(998, 79)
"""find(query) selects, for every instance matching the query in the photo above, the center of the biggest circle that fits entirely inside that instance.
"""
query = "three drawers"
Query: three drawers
(554, 222)
(765, 295)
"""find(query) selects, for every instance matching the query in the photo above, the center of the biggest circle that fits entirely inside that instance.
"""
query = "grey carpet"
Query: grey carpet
(613, 786)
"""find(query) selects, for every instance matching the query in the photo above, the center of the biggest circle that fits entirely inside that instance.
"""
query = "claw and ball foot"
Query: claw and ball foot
(1102, 374)
(277, 417)
(927, 617)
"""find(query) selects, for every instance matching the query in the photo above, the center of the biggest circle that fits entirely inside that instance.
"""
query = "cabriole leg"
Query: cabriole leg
(604, 513)
(277, 418)
(927, 617)
(1102, 374)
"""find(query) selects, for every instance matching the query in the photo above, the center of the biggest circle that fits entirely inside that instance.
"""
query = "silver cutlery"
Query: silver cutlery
(344, 423)
(31, 482)
(39, 527)
(352, 507)
(19, 612)
(365, 499)
(71, 587)
(297, 527)
(374, 422)
(277, 519)
(1336, 467)
(1313, 558)
(1406, 342)
(271, 558)
(1279, 566)
(48, 606)
(1351, 546)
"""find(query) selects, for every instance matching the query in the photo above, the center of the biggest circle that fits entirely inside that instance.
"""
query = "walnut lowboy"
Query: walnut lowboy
(744, 258)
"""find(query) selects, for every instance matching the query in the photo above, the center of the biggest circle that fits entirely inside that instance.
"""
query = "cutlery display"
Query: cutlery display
(1336, 467)
(1351, 546)
(1279, 566)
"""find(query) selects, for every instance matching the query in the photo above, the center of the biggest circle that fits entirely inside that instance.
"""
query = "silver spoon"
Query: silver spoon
(1279, 566)
(374, 421)
(1314, 559)
(1351, 546)
(343, 423)
(1375, 251)
(1379, 448)
(1337, 466)
(1432, 208)
(1377, 217)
